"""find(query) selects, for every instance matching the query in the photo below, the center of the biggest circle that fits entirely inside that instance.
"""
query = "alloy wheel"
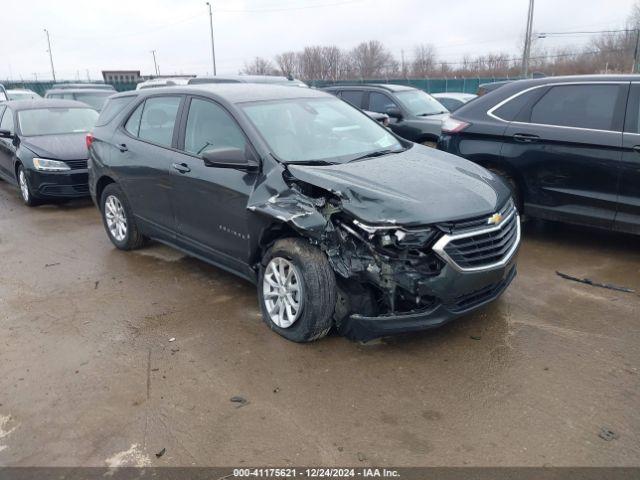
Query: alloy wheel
(116, 218)
(282, 292)
(24, 186)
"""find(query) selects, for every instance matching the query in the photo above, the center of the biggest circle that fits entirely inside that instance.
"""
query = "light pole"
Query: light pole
(53, 72)
(527, 41)
(213, 48)
(155, 64)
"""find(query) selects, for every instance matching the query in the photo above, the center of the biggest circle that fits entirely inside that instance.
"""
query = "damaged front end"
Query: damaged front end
(391, 277)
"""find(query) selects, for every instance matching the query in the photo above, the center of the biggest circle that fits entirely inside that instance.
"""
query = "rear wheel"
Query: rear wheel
(29, 199)
(297, 290)
(118, 219)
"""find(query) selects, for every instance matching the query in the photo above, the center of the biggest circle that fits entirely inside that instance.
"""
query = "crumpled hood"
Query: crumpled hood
(71, 146)
(416, 187)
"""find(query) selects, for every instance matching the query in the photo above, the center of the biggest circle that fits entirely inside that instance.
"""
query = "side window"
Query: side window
(7, 121)
(379, 102)
(133, 124)
(354, 97)
(158, 119)
(582, 106)
(513, 109)
(112, 108)
(209, 127)
(632, 120)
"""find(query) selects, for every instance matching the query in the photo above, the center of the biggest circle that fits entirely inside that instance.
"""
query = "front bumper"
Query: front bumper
(69, 184)
(458, 294)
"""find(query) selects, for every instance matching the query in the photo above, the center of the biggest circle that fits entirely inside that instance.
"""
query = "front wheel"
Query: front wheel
(297, 290)
(29, 199)
(118, 219)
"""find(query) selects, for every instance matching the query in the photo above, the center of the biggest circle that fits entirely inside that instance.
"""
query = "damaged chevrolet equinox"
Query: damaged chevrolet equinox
(339, 222)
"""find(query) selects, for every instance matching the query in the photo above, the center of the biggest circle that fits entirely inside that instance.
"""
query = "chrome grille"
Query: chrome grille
(482, 248)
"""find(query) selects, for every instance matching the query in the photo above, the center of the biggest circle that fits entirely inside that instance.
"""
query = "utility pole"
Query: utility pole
(634, 68)
(155, 64)
(213, 48)
(53, 72)
(527, 41)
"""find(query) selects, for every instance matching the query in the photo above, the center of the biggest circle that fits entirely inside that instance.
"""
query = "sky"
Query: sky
(87, 37)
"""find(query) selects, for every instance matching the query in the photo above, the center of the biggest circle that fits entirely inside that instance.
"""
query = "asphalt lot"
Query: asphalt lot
(89, 376)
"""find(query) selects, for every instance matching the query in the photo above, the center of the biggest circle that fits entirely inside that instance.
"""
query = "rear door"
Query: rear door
(628, 214)
(568, 147)
(142, 159)
(354, 97)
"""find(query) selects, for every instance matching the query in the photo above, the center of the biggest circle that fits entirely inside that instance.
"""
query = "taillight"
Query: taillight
(451, 125)
(89, 139)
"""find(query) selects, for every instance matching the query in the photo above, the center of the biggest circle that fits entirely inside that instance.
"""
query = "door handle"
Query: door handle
(636, 148)
(123, 148)
(525, 137)
(181, 167)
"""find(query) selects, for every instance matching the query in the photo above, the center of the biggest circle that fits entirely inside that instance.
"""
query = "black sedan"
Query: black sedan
(43, 148)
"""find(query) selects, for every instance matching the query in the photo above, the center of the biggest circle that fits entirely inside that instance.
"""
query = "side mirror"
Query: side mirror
(6, 134)
(394, 112)
(228, 158)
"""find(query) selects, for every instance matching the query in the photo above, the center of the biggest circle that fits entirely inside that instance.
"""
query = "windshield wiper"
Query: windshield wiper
(377, 153)
(310, 162)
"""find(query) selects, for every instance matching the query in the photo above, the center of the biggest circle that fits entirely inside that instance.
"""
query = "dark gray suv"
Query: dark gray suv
(413, 114)
(338, 221)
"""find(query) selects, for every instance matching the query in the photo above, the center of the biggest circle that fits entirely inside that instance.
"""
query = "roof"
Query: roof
(43, 103)
(237, 92)
(456, 95)
(80, 90)
(391, 87)
(246, 79)
(94, 86)
(20, 90)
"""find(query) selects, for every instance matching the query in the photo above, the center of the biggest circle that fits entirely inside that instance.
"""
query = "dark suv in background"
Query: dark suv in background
(413, 114)
(569, 147)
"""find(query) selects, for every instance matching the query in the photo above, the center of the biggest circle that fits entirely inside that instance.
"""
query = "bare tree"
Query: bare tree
(424, 60)
(259, 66)
(287, 63)
(371, 59)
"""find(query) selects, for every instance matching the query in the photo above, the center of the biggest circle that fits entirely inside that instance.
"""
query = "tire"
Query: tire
(26, 193)
(118, 219)
(316, 290)
(513, 186)
(430, 143)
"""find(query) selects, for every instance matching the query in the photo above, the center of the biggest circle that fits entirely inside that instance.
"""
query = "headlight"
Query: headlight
(46, 165)
(387, 235)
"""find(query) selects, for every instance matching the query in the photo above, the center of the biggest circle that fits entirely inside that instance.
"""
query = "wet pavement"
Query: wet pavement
(89, 376)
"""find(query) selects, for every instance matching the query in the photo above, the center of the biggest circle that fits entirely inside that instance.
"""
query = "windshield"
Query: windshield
(22, 95)
(93, 99)
(56, 121)
(419, 103)
(326, 129)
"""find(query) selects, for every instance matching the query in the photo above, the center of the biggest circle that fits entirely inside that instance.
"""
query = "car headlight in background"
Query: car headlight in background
(46, 165)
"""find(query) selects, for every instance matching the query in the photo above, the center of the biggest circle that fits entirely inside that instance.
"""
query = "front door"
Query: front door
(7, 145)
(628, 215)
(211, 203)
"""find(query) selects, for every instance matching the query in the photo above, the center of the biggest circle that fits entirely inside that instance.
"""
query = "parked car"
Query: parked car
(22, 94)
(43, 149)
(272, 79)
(162, 82)
(564, 145)
(453, 100)
(94, 97)
(338, 221)
(413, 114)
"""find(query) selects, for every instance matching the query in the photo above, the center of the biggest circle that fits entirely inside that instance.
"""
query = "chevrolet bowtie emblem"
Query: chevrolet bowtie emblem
(494, 219)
